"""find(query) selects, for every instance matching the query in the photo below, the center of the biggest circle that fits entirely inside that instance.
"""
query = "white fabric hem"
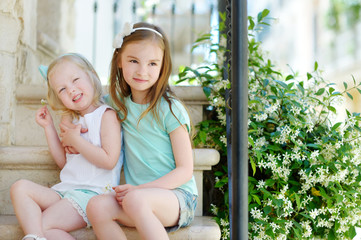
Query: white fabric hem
(80, 211)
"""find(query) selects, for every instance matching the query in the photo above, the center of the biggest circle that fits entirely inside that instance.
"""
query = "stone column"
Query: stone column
(13, 39)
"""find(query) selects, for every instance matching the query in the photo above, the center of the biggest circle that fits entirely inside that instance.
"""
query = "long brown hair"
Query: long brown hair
(119, 89)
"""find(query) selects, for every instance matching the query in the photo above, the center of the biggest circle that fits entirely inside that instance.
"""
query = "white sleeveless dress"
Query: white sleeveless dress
(79, 173)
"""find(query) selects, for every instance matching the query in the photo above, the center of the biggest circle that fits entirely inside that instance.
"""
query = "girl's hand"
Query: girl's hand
(66, 121)
(69, 135)
(43, 117)
(121, 191)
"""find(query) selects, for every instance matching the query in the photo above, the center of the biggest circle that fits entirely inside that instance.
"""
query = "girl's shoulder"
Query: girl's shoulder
(173, 107)
(173, 102)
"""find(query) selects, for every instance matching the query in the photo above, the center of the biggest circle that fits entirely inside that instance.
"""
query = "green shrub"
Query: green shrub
(304, 180)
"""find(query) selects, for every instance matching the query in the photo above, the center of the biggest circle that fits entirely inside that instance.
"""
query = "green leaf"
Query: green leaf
(265, 13)
(253, 165)
(284, 85)
(251, 24)
(278, 202)
(202, 136)
(218, 173)
(345, 85)
(298, 202)
(313, 145)
(297, 224)
(331, 235)
(352, 232)
(306, 215)
(297, 233)
(251, 141)
(320, 92)
(262, 15)
(207, 91)
(269, 232)
(349, 95)
(267, 210)
(315, 66)
(336, 126)
(332, 109)
(270, 182)
(301, 88)
(256, 198)
(309, 76)
(323, 193)
(274, 147)
(289, 77)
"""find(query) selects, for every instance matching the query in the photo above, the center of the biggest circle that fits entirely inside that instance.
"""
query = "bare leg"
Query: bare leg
(61, 218)
(103, 211)
(29, 200)
(151, 209)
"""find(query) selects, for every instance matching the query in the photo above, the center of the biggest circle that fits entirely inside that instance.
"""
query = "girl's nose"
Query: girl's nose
(141, 69)
(71, 89)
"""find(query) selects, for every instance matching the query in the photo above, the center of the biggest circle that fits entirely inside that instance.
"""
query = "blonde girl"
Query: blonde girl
(160, 193)
(50, 213)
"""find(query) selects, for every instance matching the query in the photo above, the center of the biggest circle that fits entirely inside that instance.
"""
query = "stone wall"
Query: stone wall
(32, 32)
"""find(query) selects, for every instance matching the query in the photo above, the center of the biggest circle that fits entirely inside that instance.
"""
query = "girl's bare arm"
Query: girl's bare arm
(44, 119)
(105, 156)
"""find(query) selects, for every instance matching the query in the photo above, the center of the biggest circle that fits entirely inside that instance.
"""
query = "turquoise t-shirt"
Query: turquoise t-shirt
(147, 146)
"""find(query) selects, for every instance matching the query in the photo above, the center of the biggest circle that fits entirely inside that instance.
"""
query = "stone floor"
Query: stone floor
(202, 228)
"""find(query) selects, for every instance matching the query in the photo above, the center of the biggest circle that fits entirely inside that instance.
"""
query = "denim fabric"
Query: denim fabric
(187, 207)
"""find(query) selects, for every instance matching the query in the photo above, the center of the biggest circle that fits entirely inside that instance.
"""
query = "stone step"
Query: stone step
(35, 163)
(202, 228)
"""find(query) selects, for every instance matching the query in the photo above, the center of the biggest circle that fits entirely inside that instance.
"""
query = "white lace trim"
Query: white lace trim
(80, 211)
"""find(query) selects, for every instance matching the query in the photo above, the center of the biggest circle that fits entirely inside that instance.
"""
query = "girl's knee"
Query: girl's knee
(19, 187)
(134, 201)
(97, 207)
(94, 205)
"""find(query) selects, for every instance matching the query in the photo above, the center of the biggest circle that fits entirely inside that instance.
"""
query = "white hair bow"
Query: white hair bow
(127, 30)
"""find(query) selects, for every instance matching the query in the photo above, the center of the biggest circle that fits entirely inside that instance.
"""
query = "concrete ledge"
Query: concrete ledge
(35, 157)
(35, 163)
(35, 92)
(202, 228)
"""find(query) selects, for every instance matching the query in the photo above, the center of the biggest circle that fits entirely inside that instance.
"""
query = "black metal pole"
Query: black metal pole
(239, 76)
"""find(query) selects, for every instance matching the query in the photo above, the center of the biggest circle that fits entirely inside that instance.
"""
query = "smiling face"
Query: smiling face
(141, 63)
(73, 87)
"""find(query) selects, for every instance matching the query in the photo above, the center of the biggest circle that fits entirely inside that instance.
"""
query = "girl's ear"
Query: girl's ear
(120, 64)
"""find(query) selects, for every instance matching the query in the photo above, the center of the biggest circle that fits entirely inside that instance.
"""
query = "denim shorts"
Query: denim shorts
(187, 207)
(79, 198)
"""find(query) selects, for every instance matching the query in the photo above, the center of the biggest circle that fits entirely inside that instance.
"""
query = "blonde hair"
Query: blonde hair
(80, 61)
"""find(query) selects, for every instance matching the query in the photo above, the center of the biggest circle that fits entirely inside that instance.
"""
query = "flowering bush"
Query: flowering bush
(304, 180)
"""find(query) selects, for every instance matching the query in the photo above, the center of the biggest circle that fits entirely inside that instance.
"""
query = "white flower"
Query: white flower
(261, 184)
(127, 30)
(107, 188)
(314, 213)
(256, 213)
